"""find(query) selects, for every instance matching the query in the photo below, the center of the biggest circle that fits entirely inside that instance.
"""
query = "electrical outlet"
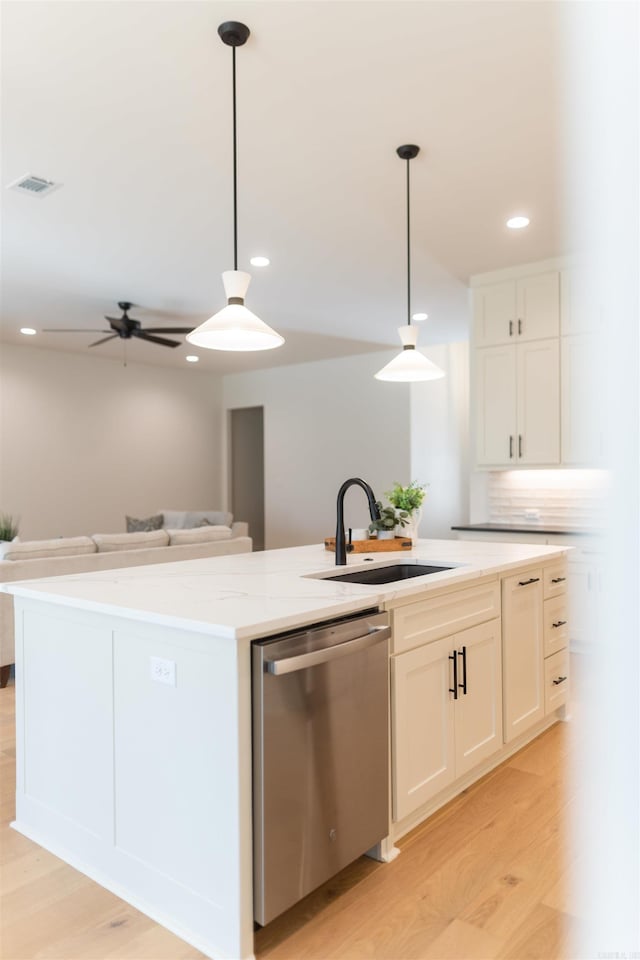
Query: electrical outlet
(163, 671)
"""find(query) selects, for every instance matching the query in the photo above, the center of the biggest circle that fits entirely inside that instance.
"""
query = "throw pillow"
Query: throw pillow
(143, 526)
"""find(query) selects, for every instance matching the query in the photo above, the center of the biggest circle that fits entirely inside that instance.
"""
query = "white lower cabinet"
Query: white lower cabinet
(441, 730)
(585, 601)
(523, 655)
(556, 680)
(535, 635)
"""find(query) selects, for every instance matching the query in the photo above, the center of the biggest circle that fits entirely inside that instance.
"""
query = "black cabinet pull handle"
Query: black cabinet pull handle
(463, 685)
(559, 681)
(558, 579)
(519, 444)
(558, 623)
(519, 326)
(510, 328)
(510, 447)
(525, 583)
(454, 690)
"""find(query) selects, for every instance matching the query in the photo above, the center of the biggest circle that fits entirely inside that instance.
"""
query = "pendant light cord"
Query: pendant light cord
(408, 250)
(235, 167)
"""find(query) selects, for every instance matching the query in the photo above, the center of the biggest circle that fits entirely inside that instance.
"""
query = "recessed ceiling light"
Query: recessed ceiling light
(517, 223)
(420, 316)
(28, 331)
(260, 261)
(192, 358)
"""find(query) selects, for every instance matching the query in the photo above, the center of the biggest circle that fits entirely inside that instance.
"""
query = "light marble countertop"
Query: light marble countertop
(252, 595)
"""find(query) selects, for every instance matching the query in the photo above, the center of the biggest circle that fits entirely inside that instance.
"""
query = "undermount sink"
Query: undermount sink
(389, 574)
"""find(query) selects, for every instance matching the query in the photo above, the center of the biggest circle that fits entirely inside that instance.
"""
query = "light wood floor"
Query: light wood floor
(483, 878)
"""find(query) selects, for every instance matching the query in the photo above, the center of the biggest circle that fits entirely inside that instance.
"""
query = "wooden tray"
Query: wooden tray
(372, 546)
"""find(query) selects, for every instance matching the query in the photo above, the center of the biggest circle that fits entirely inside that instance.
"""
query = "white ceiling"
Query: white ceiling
(128, 105)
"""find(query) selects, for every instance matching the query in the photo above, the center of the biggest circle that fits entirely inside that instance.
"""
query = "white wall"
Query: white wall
(85, 440)
(440, 440)
(323, 423)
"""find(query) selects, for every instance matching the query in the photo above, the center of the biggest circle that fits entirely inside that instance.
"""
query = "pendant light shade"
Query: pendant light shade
(235, 327)
(410, 365)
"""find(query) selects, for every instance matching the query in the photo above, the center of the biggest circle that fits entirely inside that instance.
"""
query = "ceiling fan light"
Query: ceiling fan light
(235, 328)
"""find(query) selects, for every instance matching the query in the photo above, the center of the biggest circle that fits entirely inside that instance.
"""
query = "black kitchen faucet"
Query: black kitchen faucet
(341, 547)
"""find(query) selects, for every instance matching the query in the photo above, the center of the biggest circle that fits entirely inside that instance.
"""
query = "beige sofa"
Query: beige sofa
(34, 559)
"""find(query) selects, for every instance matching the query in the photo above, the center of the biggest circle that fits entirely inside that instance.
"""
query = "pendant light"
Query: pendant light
(410, 364)
(235, 327)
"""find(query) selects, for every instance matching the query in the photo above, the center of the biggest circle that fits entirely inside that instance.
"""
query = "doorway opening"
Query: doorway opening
(246, 469)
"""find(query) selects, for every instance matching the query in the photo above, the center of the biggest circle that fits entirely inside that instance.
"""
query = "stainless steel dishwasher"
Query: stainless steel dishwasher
(320, 755)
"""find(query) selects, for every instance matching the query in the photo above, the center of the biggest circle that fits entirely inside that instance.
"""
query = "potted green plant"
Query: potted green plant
(409, 499)
(8, 531)
(390, 518)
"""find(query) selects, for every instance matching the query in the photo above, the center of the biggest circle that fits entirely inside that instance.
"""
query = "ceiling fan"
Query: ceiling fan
(126, 328)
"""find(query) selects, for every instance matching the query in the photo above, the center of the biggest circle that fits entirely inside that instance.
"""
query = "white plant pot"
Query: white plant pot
(411, 529)
(386, 534)
(4, 547)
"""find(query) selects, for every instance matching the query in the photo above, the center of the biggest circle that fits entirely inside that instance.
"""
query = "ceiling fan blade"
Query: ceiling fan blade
(74, 330)
(142, 335)
(104, 339)
(168, 329)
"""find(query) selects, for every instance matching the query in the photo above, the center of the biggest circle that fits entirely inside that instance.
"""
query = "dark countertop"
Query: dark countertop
(529, 528)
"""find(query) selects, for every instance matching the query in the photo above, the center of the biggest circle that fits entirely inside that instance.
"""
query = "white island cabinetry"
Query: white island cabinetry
(446, 691)
(522, 617)
(143, 676)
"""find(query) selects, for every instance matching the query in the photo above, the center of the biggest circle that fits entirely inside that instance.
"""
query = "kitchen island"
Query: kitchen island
(133, 708)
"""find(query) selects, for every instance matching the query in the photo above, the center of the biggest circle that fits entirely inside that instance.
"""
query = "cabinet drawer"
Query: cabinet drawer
(556, 681)
(428, 620)
(555, 579)
(556, 627)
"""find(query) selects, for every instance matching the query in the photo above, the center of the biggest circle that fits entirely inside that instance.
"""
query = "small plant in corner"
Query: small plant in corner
(8, 527)
(407, 498)
(390, 518)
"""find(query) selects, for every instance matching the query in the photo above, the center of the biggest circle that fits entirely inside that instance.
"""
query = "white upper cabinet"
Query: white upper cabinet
(582, 419)
(538, 299)
(494, 313)
(517, 404)
(580, 312)
(538, 402)
(520, 317)
(495, 405)
(527, 308)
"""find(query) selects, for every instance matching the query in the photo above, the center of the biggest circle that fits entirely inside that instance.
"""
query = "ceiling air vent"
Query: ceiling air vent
(35, 186)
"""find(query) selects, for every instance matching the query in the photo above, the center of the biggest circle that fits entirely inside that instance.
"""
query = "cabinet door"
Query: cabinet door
(422, 725)
(581, 408)
(556, 681)
(584, 603)
(556, 625)
(478, 712)
(494, 313)
(538, 304)
(580, 311)
(522, 652)
(495, 393)
(538, 402)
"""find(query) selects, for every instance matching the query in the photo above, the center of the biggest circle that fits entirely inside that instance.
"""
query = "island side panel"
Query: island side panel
(143, 785)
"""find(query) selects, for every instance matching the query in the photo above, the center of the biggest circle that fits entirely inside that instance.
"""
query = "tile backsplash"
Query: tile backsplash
(570, 498)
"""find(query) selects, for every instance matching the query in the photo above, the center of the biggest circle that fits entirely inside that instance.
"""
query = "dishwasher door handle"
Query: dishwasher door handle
(305, 660)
